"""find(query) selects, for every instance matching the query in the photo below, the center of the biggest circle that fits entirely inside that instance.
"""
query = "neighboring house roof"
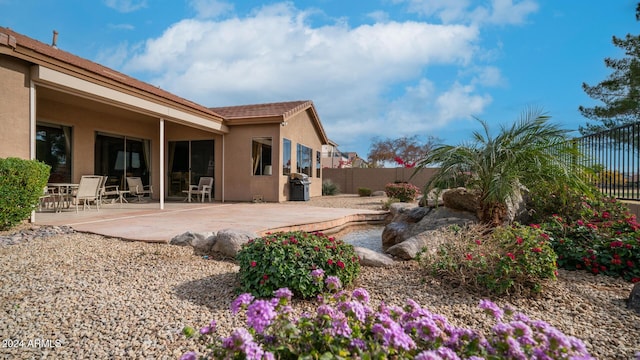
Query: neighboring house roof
(21, 46)
(279, 112)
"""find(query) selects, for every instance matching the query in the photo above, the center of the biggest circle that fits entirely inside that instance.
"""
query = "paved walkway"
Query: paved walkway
(146, 222)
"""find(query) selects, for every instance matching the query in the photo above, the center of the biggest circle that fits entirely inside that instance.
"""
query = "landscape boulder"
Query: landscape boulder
(633, 302)
(405, 226)
(229, 241)
(201, 242)
(368, 257)
(461, 199)
(426, 241)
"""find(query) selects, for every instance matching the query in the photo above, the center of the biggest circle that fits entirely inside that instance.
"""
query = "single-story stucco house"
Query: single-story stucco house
(83, 118)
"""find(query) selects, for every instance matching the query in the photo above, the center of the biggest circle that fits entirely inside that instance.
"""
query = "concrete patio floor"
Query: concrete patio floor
(146, 222)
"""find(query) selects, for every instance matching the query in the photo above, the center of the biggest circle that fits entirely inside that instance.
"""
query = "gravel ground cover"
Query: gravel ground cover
(74, 295)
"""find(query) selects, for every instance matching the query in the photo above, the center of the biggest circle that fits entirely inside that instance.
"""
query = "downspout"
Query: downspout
(32, 130)
(162, 164)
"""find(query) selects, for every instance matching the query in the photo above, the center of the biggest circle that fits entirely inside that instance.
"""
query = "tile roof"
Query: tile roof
(17, 42)
(280, 109)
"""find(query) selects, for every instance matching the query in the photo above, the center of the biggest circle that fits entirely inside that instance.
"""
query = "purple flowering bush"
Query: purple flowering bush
(285, 260)
(514, 259)
(346, 325)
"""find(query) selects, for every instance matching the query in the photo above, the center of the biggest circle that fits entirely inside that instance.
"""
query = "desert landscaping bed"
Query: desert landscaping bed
(87, 296)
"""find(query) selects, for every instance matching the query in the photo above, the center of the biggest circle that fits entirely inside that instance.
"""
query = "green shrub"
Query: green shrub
(329, 188)
(404, 192)
(363, 191)
(286, 260)
(386, 205)
(21, 185)
(510, 260)
(601, 237)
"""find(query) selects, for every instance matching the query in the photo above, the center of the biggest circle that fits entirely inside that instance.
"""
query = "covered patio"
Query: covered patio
(146, 222)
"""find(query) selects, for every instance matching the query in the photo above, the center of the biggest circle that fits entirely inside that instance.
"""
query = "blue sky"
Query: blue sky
(376, 68)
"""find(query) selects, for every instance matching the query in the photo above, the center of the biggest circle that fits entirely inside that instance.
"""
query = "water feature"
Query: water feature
(366, 236)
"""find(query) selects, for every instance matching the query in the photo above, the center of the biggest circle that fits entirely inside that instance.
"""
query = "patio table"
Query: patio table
(63, 192)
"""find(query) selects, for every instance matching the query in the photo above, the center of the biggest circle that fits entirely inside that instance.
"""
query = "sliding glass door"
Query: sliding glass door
(188, 162)
(121, 156)
(53, 147)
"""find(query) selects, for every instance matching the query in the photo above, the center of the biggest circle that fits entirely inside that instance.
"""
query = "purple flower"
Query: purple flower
(340, 327)
(447, 354)
(239, 337)
(355, 308)
(209, 328)
(333, 283)
(191, 355)
(361, 295)
(240, 301)
(317, 275)
(259, 315)
(361, 345)
(428, 355)
(520, 329)
(283, 293)
(489, 306)
(390, 333)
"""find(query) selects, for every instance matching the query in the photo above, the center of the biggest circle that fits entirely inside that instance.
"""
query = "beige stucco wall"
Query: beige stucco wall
(300, 130)
(14, 108)
(240, 183)
(350, 179)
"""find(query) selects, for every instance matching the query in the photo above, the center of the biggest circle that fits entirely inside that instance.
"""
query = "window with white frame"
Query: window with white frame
(261, 156)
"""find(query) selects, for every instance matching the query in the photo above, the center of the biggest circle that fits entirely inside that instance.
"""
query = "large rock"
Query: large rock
(517, 208)
(633, 302)
(405, 226)
(201, 242)
(426, 241)
(433, 198)
(372, 258)
(461, 199)
(230, 241)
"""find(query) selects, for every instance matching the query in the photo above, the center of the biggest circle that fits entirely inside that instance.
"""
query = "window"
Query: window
(286, 156)
(53, 147)
(261, 156)
(318, 164)
(303, 157)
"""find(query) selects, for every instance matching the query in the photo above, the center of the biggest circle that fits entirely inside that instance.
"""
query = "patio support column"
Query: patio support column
(32, 129)
(161, 164)
(223, 165)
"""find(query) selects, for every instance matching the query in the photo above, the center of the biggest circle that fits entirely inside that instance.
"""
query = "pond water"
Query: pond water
(366, 236)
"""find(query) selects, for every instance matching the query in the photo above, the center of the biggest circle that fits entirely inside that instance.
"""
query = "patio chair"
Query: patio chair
(108, 190)
(88, 191)
(48, 199)
(203, 189)
(137, 189)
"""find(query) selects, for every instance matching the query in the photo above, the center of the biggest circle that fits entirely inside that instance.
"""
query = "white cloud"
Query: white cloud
(365, 81)
(126, 6)
(121, 26)
(211, 8)
(496, 12)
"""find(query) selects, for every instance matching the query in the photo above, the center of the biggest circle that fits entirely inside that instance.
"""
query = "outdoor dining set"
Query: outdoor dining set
(93, 190)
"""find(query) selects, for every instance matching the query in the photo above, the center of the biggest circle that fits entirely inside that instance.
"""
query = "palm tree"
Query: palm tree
(529, 151)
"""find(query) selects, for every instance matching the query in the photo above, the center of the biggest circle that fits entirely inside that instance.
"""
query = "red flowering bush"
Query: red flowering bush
(404, 192)
(510, 259)
(604, 238)
(286, 259)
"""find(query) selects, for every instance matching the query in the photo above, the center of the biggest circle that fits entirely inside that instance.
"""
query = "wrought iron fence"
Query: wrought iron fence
(614, 155)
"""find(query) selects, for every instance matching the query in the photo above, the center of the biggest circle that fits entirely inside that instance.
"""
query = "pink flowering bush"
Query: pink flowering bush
(404, 192)
(285, 260)
(602, 237)
(346, 326)
(504, 260)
